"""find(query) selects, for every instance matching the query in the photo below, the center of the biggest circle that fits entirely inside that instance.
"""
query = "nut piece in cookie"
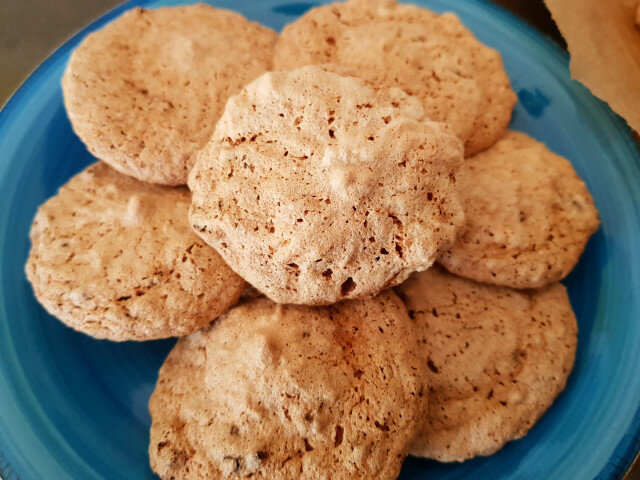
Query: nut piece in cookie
(115, 258)
(496, 359)
(277, 392)
(317, 187)
(458, 80)
(145, 92)
(529, 215)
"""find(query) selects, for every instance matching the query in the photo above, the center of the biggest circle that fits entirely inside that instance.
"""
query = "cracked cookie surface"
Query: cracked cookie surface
(145, 92)
(279, 392)
(116, 258)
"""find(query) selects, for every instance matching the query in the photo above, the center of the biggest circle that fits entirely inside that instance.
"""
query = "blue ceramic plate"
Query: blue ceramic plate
(74, 407)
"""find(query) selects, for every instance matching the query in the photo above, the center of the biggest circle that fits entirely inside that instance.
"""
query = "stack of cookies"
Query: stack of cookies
(365, 263)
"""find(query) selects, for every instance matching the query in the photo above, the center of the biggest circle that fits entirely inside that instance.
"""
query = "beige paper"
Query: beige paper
(604, 43)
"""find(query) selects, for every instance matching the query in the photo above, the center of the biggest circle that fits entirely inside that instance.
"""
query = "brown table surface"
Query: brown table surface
(31, 29)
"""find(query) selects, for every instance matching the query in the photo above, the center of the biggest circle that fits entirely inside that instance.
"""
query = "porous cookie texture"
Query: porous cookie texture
(145, 92)
(317, 187)
(529, 215)
(279, 392)
(115, 258)
(496, 359)
(459, 81)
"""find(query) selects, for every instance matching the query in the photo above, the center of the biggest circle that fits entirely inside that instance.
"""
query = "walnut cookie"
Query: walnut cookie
(115, 258)
(496, 359)
(277, 392)
(459, 81)
(317, 187)
(145, 92)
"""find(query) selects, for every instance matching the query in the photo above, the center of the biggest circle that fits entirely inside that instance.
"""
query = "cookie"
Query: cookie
(496, 359)
(317, 187)
(529, 215)
(115, 258)
(281, 391)
(145, 92)
(459, 81)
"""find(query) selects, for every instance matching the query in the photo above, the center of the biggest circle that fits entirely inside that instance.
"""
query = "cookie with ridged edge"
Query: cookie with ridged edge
(145, 92)
(529, 215)
(277, 392)
(496, 359)
(459, 81)
(115, 258)
(317, 187)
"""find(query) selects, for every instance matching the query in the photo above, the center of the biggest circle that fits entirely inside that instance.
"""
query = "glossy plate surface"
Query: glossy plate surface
(74, 407)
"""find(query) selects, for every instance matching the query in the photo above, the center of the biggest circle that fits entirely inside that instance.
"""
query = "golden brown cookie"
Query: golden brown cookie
(278, 392)
(145, 92)
(496, 359)
(459, 81)
(529, 215)
(115, 258)
(317, 187)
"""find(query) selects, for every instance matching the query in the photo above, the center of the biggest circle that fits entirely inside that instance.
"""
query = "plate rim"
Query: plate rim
(627, 449)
